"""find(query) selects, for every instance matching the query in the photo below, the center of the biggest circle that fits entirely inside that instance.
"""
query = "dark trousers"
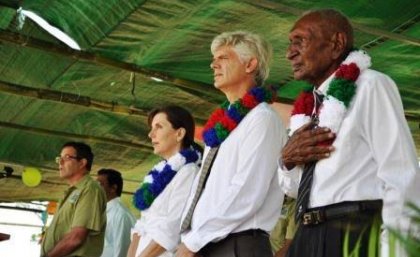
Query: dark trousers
(334, 237)
(250, 243)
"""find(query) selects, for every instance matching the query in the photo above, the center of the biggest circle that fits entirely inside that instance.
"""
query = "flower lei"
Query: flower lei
(160, 176)
(226, 118)
(339, 94)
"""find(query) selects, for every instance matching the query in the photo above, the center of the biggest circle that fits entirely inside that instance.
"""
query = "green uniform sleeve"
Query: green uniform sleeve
(90, 211)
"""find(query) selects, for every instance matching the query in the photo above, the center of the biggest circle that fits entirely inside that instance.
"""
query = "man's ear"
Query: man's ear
(114, 189)
(251, 65)
(339, 40)
(83, 163)
(180, 134)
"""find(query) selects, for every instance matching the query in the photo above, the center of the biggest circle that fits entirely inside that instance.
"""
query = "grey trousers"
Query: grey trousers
(249, 244)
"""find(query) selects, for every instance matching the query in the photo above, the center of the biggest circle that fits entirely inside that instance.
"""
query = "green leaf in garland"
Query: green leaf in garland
(268, 95)
(241, 109)
(148, 197)
(225, 105)
(342, 90)
(221, 132)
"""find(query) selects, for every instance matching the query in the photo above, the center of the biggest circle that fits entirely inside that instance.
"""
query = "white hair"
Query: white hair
(247, 45)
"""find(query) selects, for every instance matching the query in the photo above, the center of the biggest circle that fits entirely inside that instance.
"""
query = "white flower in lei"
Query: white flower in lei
(333, 109)
(161, 175)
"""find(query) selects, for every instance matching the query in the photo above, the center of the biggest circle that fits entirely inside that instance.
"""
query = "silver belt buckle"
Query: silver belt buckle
(312, 217)
(307, 218)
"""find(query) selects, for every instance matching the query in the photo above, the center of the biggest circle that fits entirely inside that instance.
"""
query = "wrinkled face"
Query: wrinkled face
(310, 51)
(166, 140)
(228, 69)
(69, 164)
(103, 181)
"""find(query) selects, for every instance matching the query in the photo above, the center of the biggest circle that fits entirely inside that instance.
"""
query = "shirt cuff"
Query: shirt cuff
(137, 229)
(193, 241)
(289, 180)
(283, 169)
(169, 243)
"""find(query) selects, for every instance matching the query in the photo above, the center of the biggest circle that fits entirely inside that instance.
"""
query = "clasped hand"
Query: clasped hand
(303, 146)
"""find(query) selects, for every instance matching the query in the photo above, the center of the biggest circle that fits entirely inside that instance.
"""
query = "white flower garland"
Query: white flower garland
(175, 162)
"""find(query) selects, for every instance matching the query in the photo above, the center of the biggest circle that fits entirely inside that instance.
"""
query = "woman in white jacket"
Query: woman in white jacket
(164, 191)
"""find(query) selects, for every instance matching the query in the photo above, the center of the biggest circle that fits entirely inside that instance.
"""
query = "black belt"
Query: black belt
(249, 232)
(213, 246)
(321, 214)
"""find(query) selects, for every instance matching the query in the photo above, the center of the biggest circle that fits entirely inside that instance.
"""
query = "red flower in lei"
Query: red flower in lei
(249, 101)
(228, 123)
(218, 114)
(223, 120)
(304, 104)
(348, 71)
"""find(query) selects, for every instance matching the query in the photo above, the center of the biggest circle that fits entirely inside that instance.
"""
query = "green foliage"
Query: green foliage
(373, 241)
(410, 242)
(374, 238)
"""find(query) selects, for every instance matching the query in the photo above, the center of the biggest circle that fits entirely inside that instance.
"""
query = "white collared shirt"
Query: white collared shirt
(374, 155)
(242, 190)
(118, 225)
(161, 222)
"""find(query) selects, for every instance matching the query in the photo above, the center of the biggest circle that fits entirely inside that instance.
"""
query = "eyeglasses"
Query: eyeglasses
(66, 157)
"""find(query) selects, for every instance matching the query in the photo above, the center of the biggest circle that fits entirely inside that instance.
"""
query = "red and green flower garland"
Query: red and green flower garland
(226, 118)
(340, 92)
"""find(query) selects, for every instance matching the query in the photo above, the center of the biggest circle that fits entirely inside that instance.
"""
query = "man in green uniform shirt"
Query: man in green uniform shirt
(78, 226)
(285, 229)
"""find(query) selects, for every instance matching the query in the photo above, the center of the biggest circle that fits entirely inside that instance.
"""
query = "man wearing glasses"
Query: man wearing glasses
(78, 227)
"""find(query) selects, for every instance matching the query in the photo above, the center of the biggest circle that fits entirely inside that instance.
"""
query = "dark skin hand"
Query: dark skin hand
(302, 147)
(4, 237)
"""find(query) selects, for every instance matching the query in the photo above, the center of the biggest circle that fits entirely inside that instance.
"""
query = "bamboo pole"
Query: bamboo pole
(87, 138)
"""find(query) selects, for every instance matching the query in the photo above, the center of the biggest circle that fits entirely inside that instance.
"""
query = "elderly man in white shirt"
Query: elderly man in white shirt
(241, 199)
(119, 218)
(366, 156)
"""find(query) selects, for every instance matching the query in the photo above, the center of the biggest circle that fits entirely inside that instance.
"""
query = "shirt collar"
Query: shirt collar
(81, 183)
(322, 89)
(112, 203)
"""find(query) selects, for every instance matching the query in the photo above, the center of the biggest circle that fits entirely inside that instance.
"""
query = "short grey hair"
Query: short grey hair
(247, 45)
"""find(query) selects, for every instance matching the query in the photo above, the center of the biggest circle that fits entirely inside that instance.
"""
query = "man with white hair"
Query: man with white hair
(241, 199)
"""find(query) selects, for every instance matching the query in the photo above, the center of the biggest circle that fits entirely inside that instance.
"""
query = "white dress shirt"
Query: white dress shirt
(161, 222)
(242, 191)
(374, 155)
(119, 222)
